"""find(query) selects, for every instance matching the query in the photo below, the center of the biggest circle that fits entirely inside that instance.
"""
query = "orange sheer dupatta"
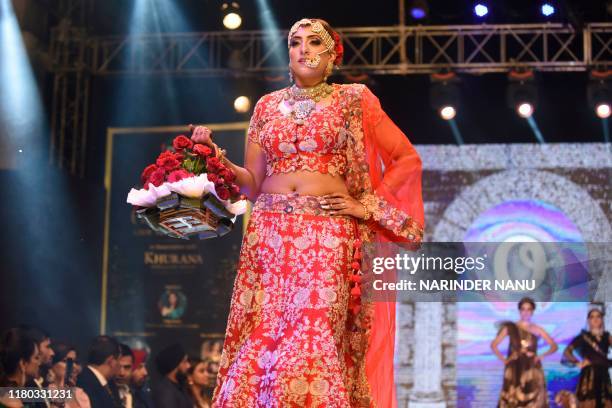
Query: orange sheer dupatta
(395, 174)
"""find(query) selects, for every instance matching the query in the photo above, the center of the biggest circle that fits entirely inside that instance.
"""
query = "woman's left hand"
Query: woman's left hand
(342, 204)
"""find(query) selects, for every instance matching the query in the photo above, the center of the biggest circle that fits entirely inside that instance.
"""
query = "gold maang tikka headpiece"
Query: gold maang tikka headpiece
(316, 28)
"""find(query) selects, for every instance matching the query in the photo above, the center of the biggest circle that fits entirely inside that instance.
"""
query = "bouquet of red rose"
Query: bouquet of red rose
(189, 192)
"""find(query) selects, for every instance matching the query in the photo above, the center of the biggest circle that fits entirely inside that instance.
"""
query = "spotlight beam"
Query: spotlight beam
(22, 115)
(270, 26)
(606, 130)
(456, 133)
(535, 129)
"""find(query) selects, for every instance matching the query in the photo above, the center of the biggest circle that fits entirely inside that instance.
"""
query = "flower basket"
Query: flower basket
(188, 193)
(182, 217)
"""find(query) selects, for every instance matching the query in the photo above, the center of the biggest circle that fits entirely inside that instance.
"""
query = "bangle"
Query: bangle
(219, 153)
(367, 212)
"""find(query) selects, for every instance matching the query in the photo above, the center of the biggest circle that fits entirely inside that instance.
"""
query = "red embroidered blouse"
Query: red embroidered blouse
(352, 137)
(317, 145)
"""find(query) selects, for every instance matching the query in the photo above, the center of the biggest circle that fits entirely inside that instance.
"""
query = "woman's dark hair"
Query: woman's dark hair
(194, 361)
(60, 350)
(15, 345)
(526, 300)
(595, 310)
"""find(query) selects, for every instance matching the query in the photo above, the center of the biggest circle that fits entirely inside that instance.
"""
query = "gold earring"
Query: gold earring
(290, 75)
(328, 70)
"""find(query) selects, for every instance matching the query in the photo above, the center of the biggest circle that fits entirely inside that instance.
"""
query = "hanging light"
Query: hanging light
(231, 16)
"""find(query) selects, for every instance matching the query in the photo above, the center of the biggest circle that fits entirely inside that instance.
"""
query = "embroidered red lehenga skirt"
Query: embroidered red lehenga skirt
(289, 341)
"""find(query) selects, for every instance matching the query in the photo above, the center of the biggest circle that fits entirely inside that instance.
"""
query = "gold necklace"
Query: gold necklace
(316, 93)
(303, 101)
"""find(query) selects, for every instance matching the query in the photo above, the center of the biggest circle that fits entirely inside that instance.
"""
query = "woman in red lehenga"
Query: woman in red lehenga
(329, 170)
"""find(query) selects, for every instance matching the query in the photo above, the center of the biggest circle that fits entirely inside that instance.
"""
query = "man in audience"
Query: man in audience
(124, 375)
(140, 386)
(45, 357)
(97, 378)
(171, 391)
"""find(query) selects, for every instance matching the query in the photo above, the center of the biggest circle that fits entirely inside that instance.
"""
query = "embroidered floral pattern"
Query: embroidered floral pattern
(286, 342)
(332, 141)
(290, 339)
(317, 145)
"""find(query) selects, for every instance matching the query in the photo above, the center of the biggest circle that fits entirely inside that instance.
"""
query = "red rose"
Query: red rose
(146, 173)
(168, 161)
(227, 174)
(212, 164)
(178, 175)
(339, 49)
(220, 182)
(179, 156)
(202, 150)
(235, 189)
(182, 142)
(212, 177)
(157, 178)
(223, 193)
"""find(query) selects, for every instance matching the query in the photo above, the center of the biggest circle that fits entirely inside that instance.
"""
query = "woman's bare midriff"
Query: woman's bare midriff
(304, 183)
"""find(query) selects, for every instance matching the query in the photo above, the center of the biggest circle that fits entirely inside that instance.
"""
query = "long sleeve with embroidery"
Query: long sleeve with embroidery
(391, 189)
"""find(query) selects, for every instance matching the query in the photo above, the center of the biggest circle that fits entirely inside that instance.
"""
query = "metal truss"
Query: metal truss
(397, 50)
(71, 79)
(378, 50)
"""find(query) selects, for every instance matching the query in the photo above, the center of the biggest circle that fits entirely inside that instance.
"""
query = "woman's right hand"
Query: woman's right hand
(584, 363)
(201, 134)
(510, 359)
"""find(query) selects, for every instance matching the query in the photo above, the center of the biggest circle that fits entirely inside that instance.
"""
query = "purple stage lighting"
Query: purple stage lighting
(417, 13)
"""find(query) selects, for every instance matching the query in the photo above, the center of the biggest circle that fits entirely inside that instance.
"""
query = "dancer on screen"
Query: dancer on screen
(328, 170)
(524, 382)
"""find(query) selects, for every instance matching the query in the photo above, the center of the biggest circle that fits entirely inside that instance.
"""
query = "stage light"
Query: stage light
(444, 94)
(242, 104)
(481, 10)
(598, 93)
(448, 112)
(548, 9)
(231, 18)
(522, 96)
(232, 21)
(525, 109)
(522, 93)
(603, 110)
(419, 9)
(444, 97)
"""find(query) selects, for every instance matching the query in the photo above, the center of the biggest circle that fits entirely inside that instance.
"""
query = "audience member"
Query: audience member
(124, 376)
(173, 365)
(64, 360)
(19, 359)
(199, 382)
(140, 385)
(102, 367)
(38, 378)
